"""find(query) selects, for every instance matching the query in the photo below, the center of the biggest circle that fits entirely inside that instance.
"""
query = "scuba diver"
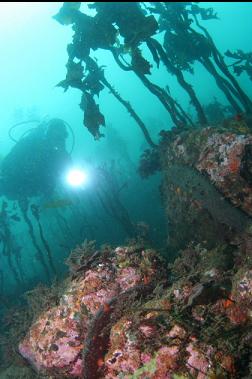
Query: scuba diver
(36, 163)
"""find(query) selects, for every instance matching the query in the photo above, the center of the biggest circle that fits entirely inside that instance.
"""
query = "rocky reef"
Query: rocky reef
(207, 183)
(124, 318)
(55, 342)
(127, 313)
(198, 328)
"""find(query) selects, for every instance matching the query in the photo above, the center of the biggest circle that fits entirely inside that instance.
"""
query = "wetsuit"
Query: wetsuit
(34, 165)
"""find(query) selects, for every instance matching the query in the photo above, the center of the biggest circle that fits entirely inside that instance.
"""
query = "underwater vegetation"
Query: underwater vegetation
(217, 112)
(124, 29)
(101, 210)
(243, 62)
(139, 309)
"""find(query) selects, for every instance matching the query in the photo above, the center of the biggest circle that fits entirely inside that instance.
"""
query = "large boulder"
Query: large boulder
(207, 186)
(55, 342)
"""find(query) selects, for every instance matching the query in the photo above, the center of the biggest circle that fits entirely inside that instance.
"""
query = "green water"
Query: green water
(115, 204)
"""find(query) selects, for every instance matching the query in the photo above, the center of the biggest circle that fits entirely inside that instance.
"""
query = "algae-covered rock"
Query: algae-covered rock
(55, 341)
(207, 185)
(199, 327)
(121, 318)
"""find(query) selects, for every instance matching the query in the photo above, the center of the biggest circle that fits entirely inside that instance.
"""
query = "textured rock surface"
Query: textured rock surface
(198, 328)
(207, 181)
(55, 341)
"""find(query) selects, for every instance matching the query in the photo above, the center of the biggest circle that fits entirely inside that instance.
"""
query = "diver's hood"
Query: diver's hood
(56, 128)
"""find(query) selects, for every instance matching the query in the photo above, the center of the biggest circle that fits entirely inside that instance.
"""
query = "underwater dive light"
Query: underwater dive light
(76, 177)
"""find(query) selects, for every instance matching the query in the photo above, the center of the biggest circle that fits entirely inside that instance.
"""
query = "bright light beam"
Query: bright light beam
(76, 177)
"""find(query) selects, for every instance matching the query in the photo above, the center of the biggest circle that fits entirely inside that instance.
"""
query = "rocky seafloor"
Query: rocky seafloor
(127, 313)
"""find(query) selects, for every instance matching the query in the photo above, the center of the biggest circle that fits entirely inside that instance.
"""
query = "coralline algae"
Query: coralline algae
(55, 342)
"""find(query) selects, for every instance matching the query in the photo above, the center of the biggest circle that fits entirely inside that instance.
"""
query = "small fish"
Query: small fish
(58, 203)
